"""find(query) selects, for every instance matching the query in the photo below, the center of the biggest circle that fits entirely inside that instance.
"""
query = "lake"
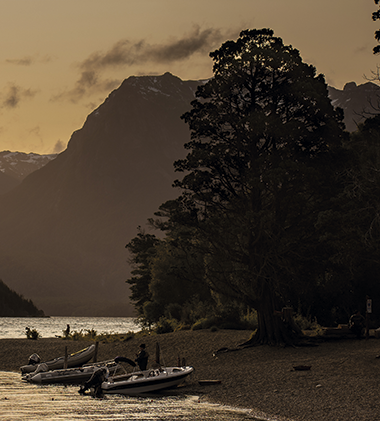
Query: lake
(50, 327)
(24, 401)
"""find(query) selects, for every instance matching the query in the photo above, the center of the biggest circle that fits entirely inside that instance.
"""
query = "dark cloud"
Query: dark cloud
(14, 95)
(28, 60)
(127, 53)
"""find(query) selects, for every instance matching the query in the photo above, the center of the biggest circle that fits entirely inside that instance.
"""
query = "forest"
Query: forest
(278, 206)
(15, 305)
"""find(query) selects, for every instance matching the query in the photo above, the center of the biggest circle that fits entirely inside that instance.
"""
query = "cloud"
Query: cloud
(25, 61)
(127, 53)
(14, 95)
(28, 60)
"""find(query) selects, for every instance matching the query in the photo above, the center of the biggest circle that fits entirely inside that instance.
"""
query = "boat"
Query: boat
(148, 381)
(74, 376)
(76, 359)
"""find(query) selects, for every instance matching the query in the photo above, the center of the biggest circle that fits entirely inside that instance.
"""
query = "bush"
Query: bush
(165, 325)
(305, 323)
(32, 333)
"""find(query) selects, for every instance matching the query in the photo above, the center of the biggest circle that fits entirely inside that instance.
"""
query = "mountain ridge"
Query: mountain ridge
(65, 227)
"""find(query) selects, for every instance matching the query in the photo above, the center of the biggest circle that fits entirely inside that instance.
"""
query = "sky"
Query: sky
(60, 59)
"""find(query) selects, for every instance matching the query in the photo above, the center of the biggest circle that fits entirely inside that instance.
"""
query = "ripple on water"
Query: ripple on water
(24, 401)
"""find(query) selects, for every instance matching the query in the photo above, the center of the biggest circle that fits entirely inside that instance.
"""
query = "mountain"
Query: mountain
(15, 166)
(357, 101)
(65, 226)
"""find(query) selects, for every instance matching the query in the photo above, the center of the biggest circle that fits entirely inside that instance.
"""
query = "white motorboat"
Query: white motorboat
(78, 375)
(73, 360)
(148, 381)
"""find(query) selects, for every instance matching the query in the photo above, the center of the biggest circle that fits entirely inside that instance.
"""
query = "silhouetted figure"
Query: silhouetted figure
(67, 331)
(142, 357)
(356, 324)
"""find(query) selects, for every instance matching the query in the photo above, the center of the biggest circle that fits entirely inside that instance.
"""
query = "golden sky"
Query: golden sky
(59, 59)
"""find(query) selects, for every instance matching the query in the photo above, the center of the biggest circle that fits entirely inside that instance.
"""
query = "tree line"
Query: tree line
(279, 205)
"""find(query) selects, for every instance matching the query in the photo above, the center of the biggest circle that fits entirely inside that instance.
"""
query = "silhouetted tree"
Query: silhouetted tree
(376, 16)
(260, 167)
(142, 249)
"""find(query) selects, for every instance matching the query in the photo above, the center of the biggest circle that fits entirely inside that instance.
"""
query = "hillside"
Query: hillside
(65, 227)
(15, 166)
(15, 305)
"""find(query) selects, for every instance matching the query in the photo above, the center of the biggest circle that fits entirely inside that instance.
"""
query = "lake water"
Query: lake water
(50, 327)
(21, 401)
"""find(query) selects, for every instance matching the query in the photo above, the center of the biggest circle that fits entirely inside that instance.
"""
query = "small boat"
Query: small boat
(148, 381)
(74, 376)
(73, 360)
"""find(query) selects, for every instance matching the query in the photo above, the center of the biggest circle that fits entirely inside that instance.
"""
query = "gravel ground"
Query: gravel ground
(342, 383)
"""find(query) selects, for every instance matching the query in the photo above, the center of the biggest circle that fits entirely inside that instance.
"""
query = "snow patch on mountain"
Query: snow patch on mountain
(19, 164)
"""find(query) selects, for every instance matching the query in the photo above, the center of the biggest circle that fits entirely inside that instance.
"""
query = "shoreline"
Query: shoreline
(341, 385)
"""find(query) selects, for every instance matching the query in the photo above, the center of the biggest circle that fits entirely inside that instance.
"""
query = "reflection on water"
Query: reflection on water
(24, 401)
(49, 327)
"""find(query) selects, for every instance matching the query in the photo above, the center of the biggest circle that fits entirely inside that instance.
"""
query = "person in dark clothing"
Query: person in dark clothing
(356, 324)
(142, 358)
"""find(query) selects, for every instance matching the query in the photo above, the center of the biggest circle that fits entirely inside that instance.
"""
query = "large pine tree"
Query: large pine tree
(258, 173)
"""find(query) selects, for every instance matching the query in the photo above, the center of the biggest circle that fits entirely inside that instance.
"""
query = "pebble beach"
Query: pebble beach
(341, 382)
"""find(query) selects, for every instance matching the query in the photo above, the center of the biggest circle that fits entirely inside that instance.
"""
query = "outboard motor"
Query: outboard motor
(34, 359)
(98, 377)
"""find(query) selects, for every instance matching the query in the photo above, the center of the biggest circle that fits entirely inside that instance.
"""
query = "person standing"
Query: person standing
(142, 357)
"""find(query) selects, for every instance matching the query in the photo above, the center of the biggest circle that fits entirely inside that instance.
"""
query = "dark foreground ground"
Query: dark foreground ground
(342, 383)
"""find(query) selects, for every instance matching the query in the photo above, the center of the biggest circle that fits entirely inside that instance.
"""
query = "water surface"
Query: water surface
(23, 401)
(50, 327)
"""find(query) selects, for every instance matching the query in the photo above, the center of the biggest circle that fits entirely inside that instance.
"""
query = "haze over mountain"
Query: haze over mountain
(65, 227)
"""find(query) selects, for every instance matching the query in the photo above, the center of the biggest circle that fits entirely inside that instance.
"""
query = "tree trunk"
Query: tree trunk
(275, 327)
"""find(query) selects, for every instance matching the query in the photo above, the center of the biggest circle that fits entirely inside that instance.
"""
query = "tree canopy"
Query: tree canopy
(277, 206)
(375, 17)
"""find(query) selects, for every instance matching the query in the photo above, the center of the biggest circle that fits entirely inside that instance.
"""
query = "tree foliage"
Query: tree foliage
(167, 277)
(262, 154)
(375, 17)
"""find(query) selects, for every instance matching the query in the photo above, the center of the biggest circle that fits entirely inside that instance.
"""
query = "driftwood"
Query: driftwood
(302, 367)
(209, 382)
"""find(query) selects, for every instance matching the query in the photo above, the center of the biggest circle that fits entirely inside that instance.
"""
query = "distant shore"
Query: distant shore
(341, 385)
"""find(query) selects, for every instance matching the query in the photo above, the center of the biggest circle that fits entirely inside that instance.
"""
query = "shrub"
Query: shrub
(165, 325)
(306, 323)
(32, 333)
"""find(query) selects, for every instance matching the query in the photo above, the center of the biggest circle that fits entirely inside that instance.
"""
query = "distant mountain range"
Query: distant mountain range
(15, 166)
(357, 101)
(65, 226)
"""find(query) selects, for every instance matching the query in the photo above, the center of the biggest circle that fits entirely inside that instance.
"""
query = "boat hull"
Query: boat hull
(74, 376)
(74, 360)
(147, 382)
